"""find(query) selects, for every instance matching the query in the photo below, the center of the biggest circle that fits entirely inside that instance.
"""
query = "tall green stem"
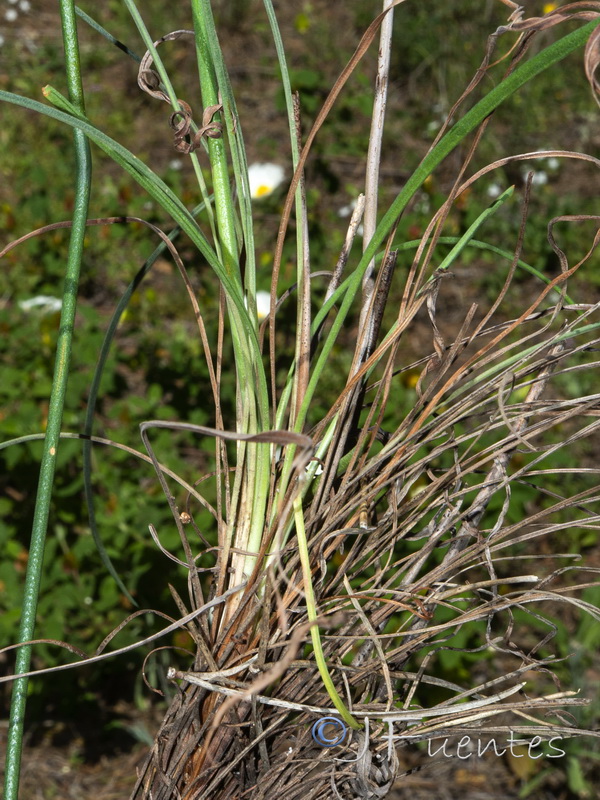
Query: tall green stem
(57, 398)
(216, 147)
(311, 609)
(250, 491)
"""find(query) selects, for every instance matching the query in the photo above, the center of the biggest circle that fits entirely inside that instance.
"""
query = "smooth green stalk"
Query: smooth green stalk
(251, 483)
(210, 60)
(237, 152)
(108, 36)
(244, 330)
(305, 485)
(290, 393)
(216, 147)
(57, 397)
(258, 456)
(470, 232)
(313, 615)
(149, 43)
(301, 244)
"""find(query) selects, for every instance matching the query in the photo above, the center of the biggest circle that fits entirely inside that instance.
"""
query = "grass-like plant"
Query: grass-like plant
(352, 549)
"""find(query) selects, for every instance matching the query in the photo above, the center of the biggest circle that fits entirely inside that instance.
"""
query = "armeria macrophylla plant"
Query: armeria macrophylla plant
(355, 549)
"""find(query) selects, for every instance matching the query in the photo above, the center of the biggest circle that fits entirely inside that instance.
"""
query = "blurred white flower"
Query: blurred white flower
(539, 178)
(346, 211)
(263, 304)
(175, 163)
(1, 40)
(264, 179)
(45, 303)
(494, 190)
(553, 163)
(11, 14)
(13, 2)
(25, 6)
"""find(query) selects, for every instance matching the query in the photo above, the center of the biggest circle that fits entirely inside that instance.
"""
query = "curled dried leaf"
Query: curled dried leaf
(185, 140)
(148, 79)
(563, 14)
(181, 122)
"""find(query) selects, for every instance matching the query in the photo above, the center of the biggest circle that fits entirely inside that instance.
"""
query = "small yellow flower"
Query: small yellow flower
(264, 179)
(548, 7)
(263, 305)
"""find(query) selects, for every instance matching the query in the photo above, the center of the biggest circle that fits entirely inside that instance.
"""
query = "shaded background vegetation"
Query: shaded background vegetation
(155, 369)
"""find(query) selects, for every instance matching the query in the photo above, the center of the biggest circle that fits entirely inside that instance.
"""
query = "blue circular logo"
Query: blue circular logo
(329, 731)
